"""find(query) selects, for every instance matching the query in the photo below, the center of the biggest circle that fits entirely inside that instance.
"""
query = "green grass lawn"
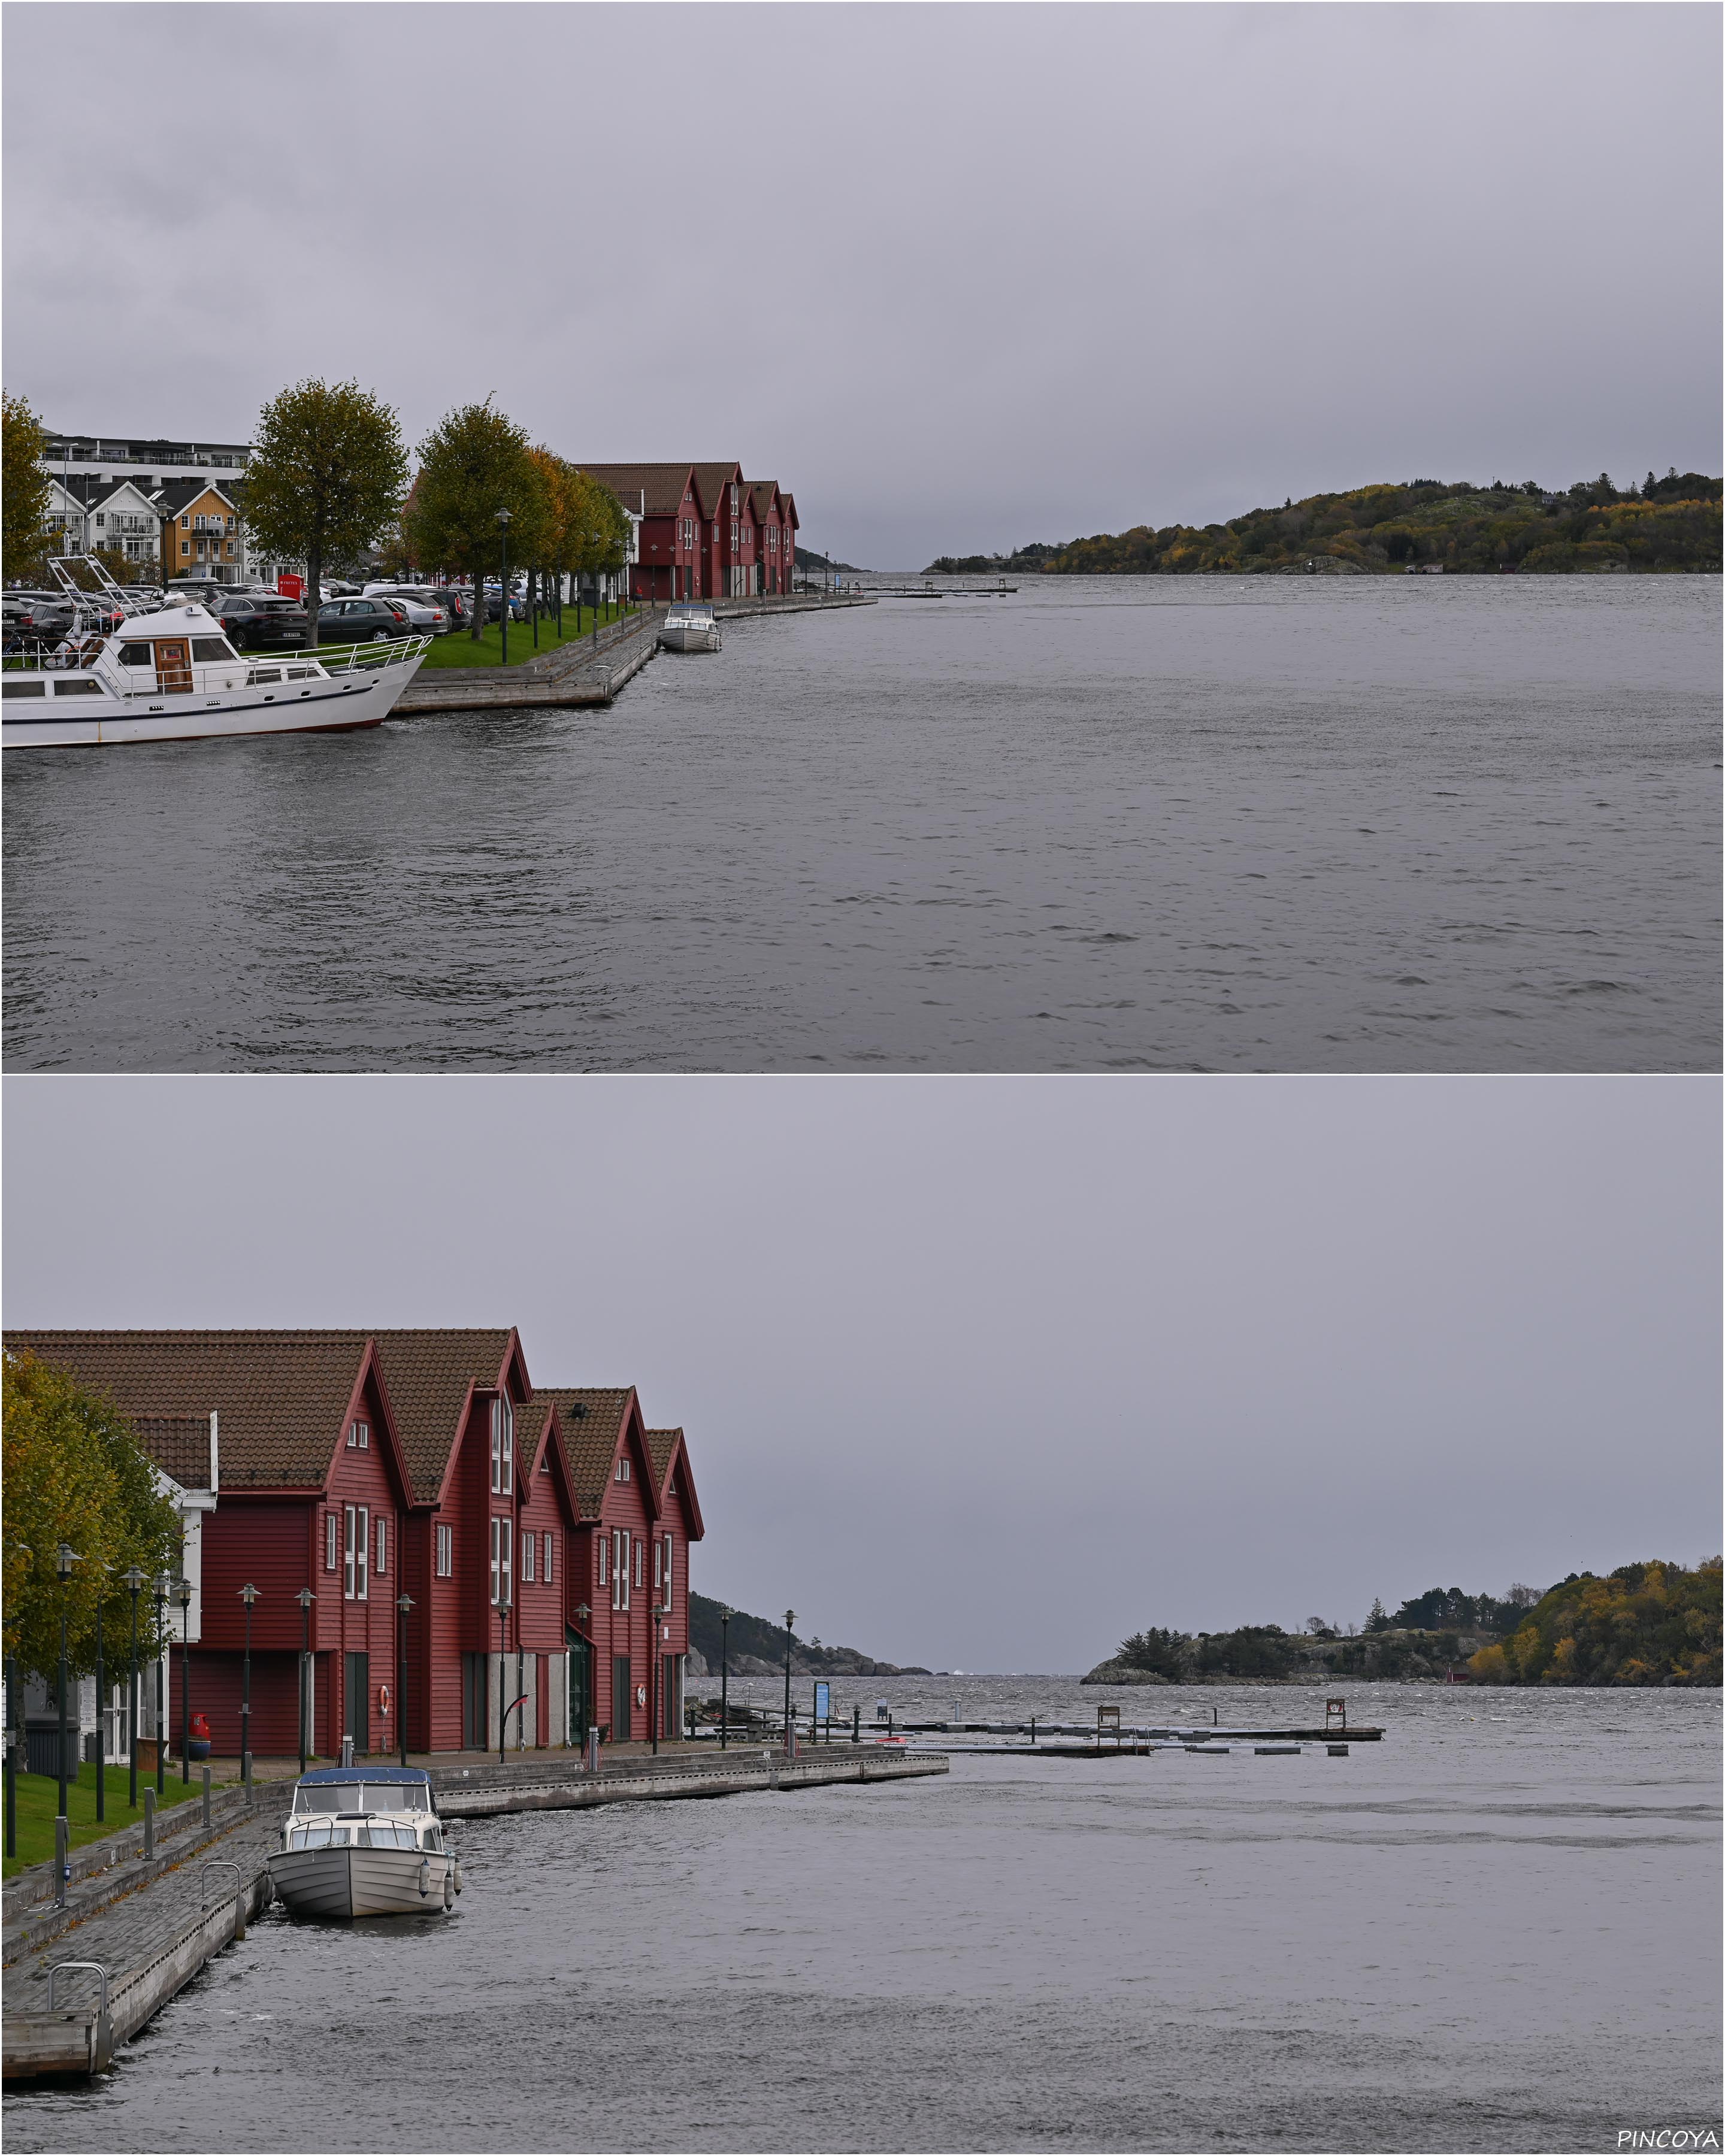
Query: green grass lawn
(38, 1797)
(458, 649)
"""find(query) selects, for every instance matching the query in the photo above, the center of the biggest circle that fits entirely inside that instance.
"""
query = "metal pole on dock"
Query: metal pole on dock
(134, 1580)
(161, 1601)
(305, 1598)
(790, 1618)
(149, 1822)
(247, 1594)
(403, 1603)
(182, 1595)
(64, 1558)
(14, 1726)
(101, 1713)
(62, 1852)
(724, 1675)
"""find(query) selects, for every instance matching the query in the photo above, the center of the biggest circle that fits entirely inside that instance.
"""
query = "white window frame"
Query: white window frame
(508, 1527)
(445, 1555)
(381, 1567)
(503, 1447)
(355, 1552)
(359, 1437)
(640, 1558)
(331, 1542)
(550, 1544)
(670, 1562)
(527, 1559)
(620, 1567)
(603, 1546)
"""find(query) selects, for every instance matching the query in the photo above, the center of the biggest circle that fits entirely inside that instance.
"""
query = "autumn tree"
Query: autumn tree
(474, 463)
(24, 541)
(326, 476)
(75, 1474)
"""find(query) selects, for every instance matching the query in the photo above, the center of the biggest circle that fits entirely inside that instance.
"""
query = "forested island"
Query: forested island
(1645, 1624)
(756, 1648)
(1420, 525)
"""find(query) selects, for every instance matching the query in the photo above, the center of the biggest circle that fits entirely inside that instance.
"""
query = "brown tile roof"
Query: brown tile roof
(282, 1395)
(711, 481)
(661, 1445)
(592, 1421)
(427, 1372)
(762, 491)
(663, 486)
(179, 1444)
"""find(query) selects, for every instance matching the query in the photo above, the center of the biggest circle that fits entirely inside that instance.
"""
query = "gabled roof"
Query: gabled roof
(711, 481)
(671, 1476)
(664, 486)
(179, 493)
(596, 1421)
(430, 1371)
(283, 1396)
(788, 506)
(764, 494)
(539, 1444)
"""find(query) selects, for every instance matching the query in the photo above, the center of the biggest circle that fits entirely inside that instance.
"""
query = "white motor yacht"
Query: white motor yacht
(691, 625)
(364, 1841)
(171, 674)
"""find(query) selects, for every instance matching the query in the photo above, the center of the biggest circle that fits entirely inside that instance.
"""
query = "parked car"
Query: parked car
(47, 615)
(360, 621)
(426, 612)
(264, 623)
(458, 605)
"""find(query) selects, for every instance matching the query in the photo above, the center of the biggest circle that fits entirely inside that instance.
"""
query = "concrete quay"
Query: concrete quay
(590, 672)
(134, 1930)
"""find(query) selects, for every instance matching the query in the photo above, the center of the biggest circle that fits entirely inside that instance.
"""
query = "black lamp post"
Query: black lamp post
(163, 1589)
(724, 1674)
(64, 1558)
(101, 1712)
(656, 1674)
(247, 1594)
(305, 1598)
(403, 1603)
(132, 1579)
(790, 1618)
(182, 1595)
(503, 618)
(502, 1665)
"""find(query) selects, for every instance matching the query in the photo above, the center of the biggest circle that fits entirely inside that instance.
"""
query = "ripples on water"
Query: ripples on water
(1497, 1930)
(1402, 824)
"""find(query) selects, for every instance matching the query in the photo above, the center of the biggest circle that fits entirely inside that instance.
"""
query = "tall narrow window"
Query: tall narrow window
(658, 1563)
(640, 1560)
(502, 1446)
(507, 1568)
(604, 1548)
(347, 1515)
(445, 1551)
(361, 1545)
(527, 1541)
(497, 1562)
(356, 1527)
(670, 1566)
(548, 1557)
(332, 1554)
(382, 1547)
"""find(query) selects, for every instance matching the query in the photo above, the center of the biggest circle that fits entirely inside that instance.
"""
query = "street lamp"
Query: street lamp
(724, 1674)
(503, 614)
(502, 1665)
(247, 1594)
(182, 1595)
(305, 1598)
(101, 1710)
(403, 1603)
(655, 1673)
(132, 1579)
(584, 1610)
(160, 1590)
(64, 1558)
(790, 1618)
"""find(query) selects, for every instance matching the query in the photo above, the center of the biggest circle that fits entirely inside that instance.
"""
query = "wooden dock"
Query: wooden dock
(82, 1979)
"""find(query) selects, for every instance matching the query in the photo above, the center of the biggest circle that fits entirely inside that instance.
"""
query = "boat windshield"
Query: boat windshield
(362, 1797)
(318, 1834)
(382, 1834)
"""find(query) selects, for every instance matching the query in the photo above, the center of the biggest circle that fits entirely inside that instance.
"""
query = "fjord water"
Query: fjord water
(1404, 824)
(1497, 1930)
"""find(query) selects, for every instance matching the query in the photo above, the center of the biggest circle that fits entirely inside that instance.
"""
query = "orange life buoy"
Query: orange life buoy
(382, 1699)
(640, 1694)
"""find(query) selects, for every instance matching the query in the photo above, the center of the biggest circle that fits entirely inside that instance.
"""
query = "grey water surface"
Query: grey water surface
(1498, 1929)
(1403, 823)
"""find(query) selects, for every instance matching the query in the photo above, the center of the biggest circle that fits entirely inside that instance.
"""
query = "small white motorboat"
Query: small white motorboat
(172, 675)
(691, 625)
(364, 1841)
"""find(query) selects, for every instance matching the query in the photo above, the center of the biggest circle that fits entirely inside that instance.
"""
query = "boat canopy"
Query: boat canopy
(362, 1771)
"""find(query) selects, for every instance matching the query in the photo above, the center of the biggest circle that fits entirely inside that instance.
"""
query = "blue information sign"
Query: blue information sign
(823, 1701)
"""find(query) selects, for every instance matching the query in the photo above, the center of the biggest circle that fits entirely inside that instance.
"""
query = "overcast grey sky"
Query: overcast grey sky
(961, 276)
(984, 1373)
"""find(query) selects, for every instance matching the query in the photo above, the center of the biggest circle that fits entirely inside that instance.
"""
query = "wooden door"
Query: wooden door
(621, 1726)
(359, 1683)
(173, 665)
